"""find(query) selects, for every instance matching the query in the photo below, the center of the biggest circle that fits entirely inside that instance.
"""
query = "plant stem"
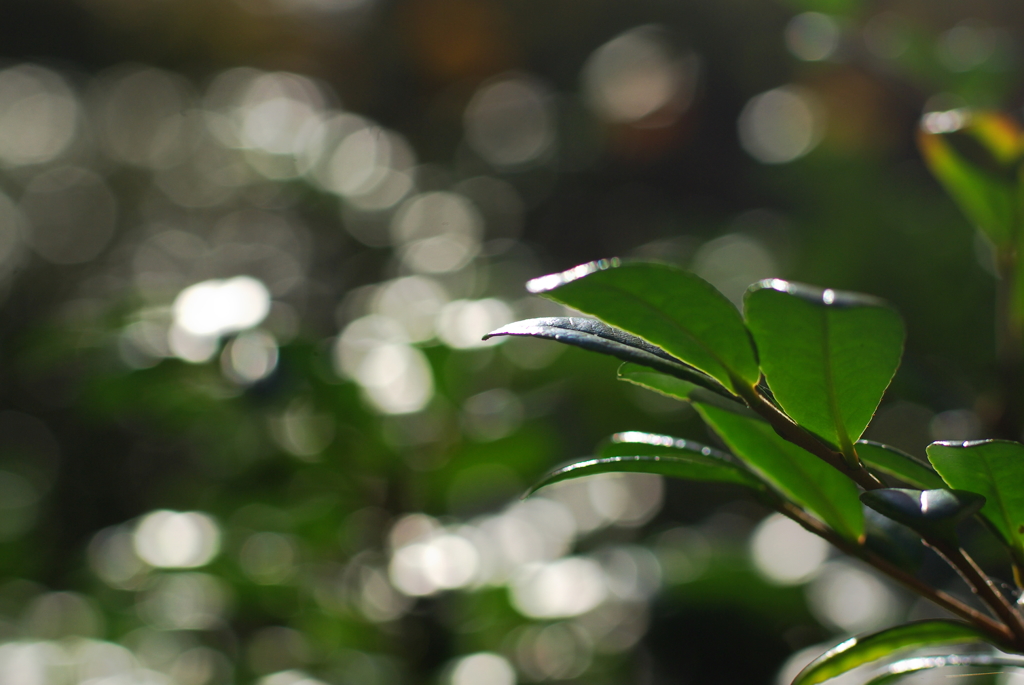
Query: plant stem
(982, 585)
(956, 557)
(999, 632)
(793, 433)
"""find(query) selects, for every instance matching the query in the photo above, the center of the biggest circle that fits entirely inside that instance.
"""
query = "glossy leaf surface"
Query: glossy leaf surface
(629, 443)
(893, 541)
(930, 512)
(994, 469)
(794, 472)
(898, 464)
(596, 336)
(906, 668)
(689, 466)
(670, 308)
(862, 650)
(828, 356)
(974, 155)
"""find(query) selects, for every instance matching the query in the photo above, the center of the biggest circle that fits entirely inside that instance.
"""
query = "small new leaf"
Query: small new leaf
(673, 309)
(827, 355)
(862, 650)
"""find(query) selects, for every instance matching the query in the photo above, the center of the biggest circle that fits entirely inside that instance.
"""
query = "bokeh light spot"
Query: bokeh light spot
(510, 122)
(785, 553)
(638, 74)
(38, 115)
(812, 36)
(482, 668)
(216, 307)
(169, 539)
(781, 125)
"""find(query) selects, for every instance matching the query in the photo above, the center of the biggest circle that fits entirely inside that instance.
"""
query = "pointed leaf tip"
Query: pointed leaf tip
(596, 336)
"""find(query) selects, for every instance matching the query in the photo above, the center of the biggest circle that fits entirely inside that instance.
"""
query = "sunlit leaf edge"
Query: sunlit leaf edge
(907, 667)
(713, 469)
(596, 336)
(862, 650)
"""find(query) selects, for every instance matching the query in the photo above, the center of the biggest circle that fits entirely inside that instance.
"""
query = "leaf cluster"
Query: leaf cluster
(789, 385)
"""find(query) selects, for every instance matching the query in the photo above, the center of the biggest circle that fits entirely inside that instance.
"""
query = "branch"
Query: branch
(997, 631)
(983, 586)
(1013, 630)
(797, 435)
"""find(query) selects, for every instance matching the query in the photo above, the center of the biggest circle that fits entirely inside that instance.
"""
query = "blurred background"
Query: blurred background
(248, 430)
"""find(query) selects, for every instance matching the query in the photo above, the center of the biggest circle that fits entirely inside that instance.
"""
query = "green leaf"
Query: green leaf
(994, 469)
(898, 464)
(793, 471)
(668, 307)
(861, 650)
(907, 667)
(687, 465)
(677, 388)
(974, 155)
(828, 356)
(930, 512)
(595, 336)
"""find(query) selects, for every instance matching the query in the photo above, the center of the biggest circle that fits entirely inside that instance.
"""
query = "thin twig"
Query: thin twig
(975, 578)
(983, 586)
(999, 632)
(793, 433)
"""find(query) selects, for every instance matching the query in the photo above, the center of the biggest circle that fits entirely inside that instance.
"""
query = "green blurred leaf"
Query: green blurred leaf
(861, 650)
(796, 473)
(930, 512)
(595, 336)
(671, 308)
(993, 469)
(828, 356)
(974, 155)
(898, 464)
